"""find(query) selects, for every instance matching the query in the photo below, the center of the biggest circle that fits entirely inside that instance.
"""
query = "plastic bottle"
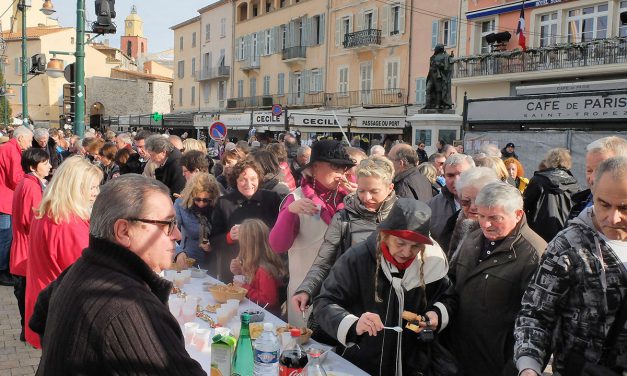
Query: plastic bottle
(267, 350)
(293, 359)
(243, 361)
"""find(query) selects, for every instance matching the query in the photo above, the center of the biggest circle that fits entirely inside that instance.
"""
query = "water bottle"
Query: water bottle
(267, 352)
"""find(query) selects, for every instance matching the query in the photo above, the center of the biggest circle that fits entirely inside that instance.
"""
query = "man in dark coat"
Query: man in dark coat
(408, 181)
(422, 153)
(509, 151)
(490, 272)
(168, 161)
(42, 140)
(108, 313)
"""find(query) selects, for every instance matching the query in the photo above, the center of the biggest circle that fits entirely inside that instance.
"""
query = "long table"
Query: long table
(334, 364)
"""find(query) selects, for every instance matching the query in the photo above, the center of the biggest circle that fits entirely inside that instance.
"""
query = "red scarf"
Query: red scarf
(388, 256)
(324, 197)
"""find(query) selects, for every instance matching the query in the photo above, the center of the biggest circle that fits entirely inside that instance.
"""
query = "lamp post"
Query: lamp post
(79, 81)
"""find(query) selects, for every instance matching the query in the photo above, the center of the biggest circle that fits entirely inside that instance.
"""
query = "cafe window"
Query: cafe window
(588, 23)
(548, 29)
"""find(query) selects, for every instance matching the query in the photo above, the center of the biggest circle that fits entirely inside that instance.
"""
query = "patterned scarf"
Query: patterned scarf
(330, 201)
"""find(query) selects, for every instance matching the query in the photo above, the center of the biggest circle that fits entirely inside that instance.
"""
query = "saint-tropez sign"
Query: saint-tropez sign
(318, 120)
(589, 107)
(375, 122)
(267, 118)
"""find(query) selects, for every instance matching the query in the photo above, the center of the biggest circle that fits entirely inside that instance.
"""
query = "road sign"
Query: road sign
(277, 110)
(217, 131)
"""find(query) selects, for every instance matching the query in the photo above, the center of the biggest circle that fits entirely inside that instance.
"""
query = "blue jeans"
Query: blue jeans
(6, 236)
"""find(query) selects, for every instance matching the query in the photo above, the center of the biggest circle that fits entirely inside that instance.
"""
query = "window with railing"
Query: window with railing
(588, 23)
(392, 68)
(549, 24)
(622, 29)
(487, 27)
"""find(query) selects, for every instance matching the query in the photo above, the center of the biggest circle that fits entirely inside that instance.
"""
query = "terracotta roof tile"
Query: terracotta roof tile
(32, 32)
(145, 76)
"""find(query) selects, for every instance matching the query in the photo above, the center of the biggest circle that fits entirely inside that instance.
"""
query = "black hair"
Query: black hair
(195, 160)
(32, 157)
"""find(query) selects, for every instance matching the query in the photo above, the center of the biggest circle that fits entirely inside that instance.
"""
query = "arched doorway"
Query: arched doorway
(96, 112)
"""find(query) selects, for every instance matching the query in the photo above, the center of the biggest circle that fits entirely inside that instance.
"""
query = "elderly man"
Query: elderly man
(445, 206)
(449, 150)
(491, 271)
(167, 160)
(575, 306)
(408, 181)
(597, 151)
(10, 175)
(128, 328)
(302, 158)
(43, 141)
(177, 142)
(377, 150)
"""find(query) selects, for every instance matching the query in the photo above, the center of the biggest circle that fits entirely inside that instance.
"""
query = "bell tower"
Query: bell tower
(133, 42)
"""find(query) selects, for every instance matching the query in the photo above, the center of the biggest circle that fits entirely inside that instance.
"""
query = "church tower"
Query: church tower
(133, 42)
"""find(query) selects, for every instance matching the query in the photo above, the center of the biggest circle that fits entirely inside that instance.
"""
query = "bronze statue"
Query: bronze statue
(439, 80)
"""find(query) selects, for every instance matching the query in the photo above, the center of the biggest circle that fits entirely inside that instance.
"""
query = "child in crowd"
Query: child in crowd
(262, 269)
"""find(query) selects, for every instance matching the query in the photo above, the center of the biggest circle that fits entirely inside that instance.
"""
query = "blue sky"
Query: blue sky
(158, 16)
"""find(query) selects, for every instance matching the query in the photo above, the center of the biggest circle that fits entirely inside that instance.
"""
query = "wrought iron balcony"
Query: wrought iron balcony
(288, 99)
(294, 53)
(580, 55)
(250, 64)
(377, 97)
(362, 38)
(223, 71)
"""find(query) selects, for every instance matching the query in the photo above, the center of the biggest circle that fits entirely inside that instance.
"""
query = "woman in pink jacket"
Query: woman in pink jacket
(27, 196)
(61, 226)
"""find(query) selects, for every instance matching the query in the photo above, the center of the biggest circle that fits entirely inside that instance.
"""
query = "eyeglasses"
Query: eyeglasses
(199, 199)
(337, 167)
(171, 223)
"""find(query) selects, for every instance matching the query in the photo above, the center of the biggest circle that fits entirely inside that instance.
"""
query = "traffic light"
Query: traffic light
(105, 13)
(38, 64)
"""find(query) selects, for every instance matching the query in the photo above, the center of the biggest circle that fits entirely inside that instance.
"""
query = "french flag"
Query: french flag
(520, 30)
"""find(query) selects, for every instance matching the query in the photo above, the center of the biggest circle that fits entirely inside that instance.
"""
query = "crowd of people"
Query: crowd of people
(487, 271)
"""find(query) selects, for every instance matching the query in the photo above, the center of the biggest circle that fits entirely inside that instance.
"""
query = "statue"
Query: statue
(439, 80)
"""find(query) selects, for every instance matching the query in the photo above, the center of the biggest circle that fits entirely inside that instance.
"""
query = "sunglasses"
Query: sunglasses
(199, 199)
(171, 223)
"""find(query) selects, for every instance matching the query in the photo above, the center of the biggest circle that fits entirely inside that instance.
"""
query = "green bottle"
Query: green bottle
(243, 360)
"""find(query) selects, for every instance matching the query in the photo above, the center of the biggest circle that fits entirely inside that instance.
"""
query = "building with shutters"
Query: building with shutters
(213, 70)
(280, 53)
(569, 43)
(186, 64)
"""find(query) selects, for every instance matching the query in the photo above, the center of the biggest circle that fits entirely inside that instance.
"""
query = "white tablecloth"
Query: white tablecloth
(334, 364)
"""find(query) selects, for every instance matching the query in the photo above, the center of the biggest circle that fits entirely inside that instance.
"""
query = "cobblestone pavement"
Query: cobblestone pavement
(16, 357)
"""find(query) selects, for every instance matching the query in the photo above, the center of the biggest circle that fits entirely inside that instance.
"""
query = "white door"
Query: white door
(365, 82)
(298, 86)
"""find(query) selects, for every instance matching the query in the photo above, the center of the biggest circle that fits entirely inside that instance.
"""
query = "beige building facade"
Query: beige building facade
(213, 70)
(280, 53)
(186, 64)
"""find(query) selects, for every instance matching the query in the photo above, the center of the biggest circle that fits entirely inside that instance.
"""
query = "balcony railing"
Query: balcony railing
(214, 73)
(292, 53)
(250, 64)
(378, 97)
(362, 38)
(588, 54)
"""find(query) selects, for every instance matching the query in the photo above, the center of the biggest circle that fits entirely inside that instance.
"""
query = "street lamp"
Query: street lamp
(47, 8)
(54, 68)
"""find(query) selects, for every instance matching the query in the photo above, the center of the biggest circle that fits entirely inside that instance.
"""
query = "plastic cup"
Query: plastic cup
(201, 338)
(317, 215)
(179, 280)
(169, 275)
(223, 315)
(241, 279)
(233, 305)
(187, 275)
(175, 304)
(189, 329)
(193, 298)
(188, 311)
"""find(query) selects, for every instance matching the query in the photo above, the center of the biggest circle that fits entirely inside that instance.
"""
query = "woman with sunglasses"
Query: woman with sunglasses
(193, 215)
(307, 212)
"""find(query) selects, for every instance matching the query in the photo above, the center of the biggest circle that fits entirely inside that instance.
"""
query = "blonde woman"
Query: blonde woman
(193, 216)
(61, 226)
(193, 144)
(263, 269)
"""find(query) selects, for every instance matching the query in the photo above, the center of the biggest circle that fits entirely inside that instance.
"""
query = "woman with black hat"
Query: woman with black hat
(398, 268)
(306, 213)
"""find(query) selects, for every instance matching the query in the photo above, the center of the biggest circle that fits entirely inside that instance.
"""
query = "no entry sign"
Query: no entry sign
(217, 131)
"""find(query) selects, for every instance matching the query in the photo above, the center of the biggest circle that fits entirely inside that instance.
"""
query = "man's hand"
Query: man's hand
(433, 321)
(369, 323)
(300, 301)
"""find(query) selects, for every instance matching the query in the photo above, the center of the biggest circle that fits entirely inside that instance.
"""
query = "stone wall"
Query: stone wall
(122, 97)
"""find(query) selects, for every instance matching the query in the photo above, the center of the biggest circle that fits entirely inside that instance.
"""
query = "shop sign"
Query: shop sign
(231, 120)
(373, 122)
(318, 120)
(267, 118)
(595, 107)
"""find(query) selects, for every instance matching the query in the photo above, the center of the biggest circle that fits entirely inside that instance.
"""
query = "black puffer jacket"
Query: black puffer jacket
(548, 201)
(348, 227)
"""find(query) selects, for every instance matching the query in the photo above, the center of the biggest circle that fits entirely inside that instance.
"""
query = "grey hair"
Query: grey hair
(39, 133)
(22, 131)
(121, 198)
(456, 159)
(500, 194)
(476, 177)
(491, 150)
(406, 153)
(156, 143)
(613, 145)
(302, 150)
(617, 166)
(446, 148)
(125, 137)
(558, 158)
(377, 150)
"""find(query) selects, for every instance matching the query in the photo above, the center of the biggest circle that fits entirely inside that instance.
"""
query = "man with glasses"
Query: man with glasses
(109, 310)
